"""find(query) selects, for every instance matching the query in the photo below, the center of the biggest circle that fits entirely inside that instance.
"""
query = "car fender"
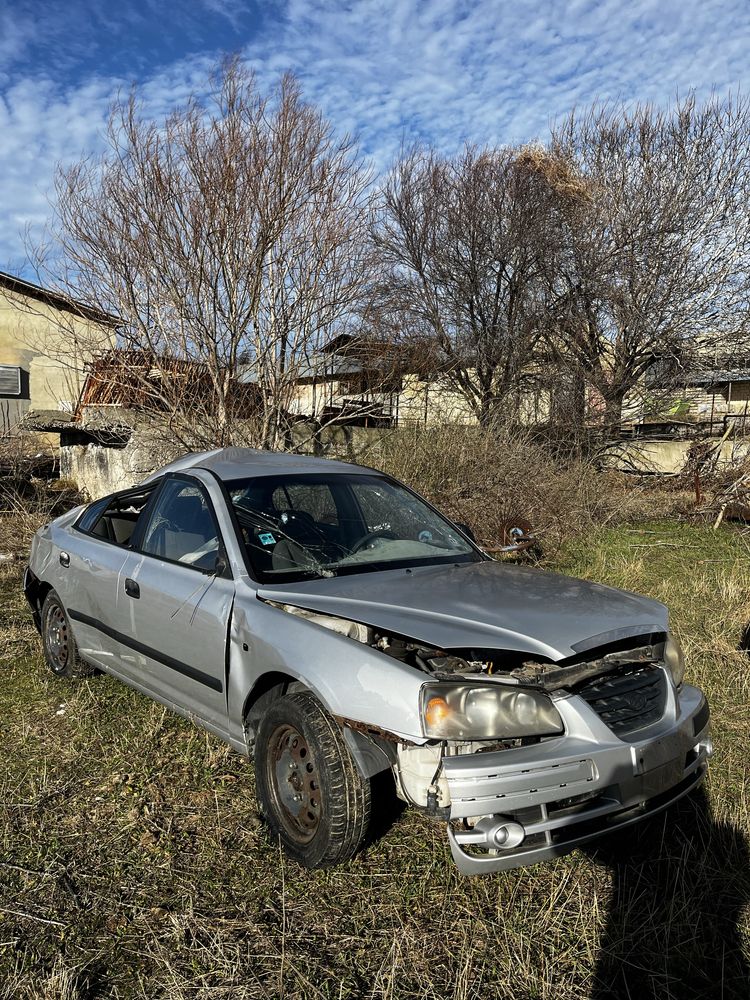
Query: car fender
(356, 684)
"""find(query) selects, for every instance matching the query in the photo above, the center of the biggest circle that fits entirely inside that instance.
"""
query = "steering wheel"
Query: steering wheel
(370, 537)
(300, 526)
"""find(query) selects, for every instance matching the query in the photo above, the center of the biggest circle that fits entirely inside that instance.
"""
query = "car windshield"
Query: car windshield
(300, 526)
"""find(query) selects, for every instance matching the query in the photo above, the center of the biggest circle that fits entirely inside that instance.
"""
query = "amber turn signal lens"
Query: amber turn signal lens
(437, 710)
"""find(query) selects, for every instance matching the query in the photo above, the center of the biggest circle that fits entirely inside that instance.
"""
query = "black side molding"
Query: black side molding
(169, 661)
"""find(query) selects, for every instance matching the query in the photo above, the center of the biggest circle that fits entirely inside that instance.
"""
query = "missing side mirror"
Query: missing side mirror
(466, 530)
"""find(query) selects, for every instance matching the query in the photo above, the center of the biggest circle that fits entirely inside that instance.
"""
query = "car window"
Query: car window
(323, 525)
(92, 514)
(114, 518)
(390, 509)
(181, 527)
(380, 513)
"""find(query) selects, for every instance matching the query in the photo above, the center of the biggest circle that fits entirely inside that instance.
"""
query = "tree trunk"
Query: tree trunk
(613, 411)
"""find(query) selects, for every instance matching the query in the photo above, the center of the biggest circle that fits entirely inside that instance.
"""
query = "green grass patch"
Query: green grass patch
(133, 863)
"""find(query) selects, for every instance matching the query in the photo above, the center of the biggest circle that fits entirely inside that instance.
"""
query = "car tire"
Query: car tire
(60, 650)
(310, 791)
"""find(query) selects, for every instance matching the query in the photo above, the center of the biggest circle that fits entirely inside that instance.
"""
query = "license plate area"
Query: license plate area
(656, 753)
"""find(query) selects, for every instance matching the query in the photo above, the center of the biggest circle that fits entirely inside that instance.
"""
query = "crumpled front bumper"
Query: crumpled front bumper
(545, 800)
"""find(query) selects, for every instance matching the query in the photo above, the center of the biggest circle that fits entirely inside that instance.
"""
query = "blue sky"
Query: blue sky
(488, 71)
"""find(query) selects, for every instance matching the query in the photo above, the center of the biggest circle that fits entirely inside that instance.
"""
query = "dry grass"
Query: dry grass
(25, 506)
(483, 478)
(133, 863)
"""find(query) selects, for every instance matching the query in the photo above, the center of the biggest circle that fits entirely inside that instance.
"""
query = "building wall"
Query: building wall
(430, 401)
(420, 401)
(713, 402)
(669, 457)
(52, 347)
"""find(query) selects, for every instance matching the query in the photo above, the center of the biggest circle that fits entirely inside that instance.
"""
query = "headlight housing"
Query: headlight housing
(486, 712)
(674, 659)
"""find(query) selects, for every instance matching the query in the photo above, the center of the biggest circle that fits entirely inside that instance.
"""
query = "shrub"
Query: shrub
(484, 478)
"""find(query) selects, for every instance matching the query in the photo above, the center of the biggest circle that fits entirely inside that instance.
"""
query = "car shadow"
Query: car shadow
(680, 883)
(386, 807)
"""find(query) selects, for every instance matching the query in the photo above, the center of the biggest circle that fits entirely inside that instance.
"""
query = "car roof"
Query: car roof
(239, 463)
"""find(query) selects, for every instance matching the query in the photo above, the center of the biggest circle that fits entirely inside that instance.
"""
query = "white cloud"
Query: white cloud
(390, 70)
(232, 11)
(499, 71)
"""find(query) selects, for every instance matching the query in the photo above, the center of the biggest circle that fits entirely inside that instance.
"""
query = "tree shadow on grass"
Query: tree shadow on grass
(680, 884)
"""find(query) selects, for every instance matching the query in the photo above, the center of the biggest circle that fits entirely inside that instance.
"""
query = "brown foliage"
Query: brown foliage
(484, 478)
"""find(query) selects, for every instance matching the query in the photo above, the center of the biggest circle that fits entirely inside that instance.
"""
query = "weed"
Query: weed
(133, 863)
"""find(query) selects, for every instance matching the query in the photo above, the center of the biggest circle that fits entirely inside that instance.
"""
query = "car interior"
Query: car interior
(180, 526)
(117, 520)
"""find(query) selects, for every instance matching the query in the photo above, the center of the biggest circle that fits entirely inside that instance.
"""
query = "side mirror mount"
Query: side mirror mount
(466, 530)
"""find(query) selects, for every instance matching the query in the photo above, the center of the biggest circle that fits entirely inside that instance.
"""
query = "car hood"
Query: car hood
(482, 605)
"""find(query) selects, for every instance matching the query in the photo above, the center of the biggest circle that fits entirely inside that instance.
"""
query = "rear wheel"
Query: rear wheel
(60, 650)
(309, 788)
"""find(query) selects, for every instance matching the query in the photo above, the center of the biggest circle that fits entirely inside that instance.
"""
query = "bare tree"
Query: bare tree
(231, 239)
(651, 263)
(460, 241)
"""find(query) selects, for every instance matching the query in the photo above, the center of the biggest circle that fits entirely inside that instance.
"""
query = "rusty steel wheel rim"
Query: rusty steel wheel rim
(57, 637)
(293, 778)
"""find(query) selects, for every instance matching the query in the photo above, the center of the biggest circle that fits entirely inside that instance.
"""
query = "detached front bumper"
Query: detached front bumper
(535, 803)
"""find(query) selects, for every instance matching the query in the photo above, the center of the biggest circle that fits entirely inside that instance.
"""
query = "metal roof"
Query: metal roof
(240, 463)
(718, 375)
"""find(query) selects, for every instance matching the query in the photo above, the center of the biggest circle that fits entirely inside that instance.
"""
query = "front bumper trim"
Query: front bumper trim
(609, 821)
(561, 799)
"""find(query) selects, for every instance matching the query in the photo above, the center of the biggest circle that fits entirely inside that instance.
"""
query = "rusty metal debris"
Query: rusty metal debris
(371, 730)
(515, 535)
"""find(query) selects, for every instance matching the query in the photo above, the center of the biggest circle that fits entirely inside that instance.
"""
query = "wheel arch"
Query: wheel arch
(371, 755)
(35, 591)
(268, 688)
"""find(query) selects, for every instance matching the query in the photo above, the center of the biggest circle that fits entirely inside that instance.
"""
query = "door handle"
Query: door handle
(64, 559)
(131, 588)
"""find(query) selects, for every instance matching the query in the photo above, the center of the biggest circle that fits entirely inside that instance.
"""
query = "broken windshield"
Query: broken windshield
(324, 525)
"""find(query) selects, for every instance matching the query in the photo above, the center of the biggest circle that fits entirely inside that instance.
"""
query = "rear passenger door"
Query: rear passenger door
(91, 559)
(179, 593)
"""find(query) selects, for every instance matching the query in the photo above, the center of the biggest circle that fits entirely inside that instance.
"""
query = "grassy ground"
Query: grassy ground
(133, 864)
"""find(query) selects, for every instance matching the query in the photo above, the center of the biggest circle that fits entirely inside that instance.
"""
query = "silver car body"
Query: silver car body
(210, 646)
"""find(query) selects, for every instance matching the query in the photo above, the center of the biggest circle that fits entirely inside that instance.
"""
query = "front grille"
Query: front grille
(629, 701)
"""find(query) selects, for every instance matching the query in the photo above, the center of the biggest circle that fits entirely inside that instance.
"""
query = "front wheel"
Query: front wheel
(309, 788)
(60, 650)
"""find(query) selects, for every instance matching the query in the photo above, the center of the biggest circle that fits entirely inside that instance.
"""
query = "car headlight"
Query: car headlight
(486, 712)
(674, 659)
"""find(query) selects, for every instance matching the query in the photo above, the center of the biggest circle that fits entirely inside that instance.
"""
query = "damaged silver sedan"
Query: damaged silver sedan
(326, 620)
